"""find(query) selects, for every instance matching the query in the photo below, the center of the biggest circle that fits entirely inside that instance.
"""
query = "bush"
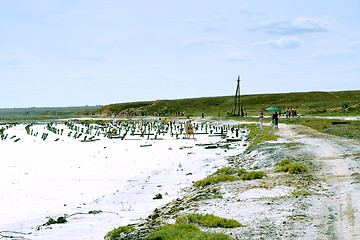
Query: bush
(209, 220)
(241, 171)
(185, 231)
(293, 168)
(283, 162)
(215, 179)
(225, 170)
(296, 168)
(114, 234)
(253, 175)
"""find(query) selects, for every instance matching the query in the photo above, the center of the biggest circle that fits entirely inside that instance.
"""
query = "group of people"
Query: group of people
(161, 123)
(289, 112)
(274, 120)
(275, 117)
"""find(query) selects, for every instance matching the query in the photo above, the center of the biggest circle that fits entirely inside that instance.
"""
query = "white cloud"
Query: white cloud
(94, 58)
(247, 12)
(110, 39)
(287, 42)
(204, 27)
(239, 57)
(292, 27)
(334, 54)
(13, 60)
(355, 45)
(206, 41)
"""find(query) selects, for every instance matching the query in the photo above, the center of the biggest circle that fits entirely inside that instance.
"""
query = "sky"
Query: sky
(87, 52)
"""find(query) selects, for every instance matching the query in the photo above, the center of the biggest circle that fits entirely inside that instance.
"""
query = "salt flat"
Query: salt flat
(64, 176)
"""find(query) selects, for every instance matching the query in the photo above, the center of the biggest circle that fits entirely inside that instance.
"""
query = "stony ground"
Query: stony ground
(323, 203)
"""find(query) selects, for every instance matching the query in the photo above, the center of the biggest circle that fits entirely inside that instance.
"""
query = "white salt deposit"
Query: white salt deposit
(64, 176)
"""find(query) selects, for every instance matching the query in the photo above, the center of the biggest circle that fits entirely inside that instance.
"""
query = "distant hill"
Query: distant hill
(47, 112)
(320, 103)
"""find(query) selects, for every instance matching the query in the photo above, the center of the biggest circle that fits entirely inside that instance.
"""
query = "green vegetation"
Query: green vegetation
(114, 234)
(225, 170)
(346, 129)
(215, 179)
(257, 136)
(185, 231)
(46, 112)
(252, 175)
(319, 103)
(291, 167)
(208, 220)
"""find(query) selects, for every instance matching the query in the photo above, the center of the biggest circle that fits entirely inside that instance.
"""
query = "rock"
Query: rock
(158, 196)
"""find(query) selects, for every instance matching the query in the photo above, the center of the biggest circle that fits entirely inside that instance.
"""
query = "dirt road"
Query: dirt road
(338, 162)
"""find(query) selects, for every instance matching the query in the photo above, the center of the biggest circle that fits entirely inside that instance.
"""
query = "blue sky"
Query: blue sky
(87, 52)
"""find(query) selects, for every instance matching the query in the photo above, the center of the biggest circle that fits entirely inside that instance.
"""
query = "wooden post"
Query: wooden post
(236, 107)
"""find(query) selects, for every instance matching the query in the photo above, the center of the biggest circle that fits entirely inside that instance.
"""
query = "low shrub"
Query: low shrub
(293, 168)
(241, 171)
(215, 179)
(253, 175)
(115, 234)
(296, 168)
(209, 220)
(283, 162)
(185, 231)
(225, 170)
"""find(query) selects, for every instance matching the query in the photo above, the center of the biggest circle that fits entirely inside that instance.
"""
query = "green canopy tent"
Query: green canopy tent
(273, 109)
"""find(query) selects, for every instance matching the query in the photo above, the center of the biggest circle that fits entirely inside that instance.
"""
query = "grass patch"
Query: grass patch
(215, 179)
(115, 234)
(252, 175)
(226, 171)
(208, 220)
(293, 168)
(185, 231)
(283, 162)
(257, 136)
(350, 130)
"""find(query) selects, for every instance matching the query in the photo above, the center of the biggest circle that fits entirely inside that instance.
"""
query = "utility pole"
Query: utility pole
(236, 108)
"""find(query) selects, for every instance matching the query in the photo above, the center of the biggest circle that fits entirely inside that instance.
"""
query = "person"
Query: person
(191, 131)
(187, 127)
(114, 122)
(276, 118)
(160, 124)
(287, 112)
(261, 120)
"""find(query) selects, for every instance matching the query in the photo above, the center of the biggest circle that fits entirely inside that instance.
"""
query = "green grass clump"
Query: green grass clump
(225, 170)
(185, 231)
(296, 168)
(209, 220)
(252, 175)
(114, 234)
(215, 179)
(241, 171)
(257, 136)
(283, 162)
(293, 168)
